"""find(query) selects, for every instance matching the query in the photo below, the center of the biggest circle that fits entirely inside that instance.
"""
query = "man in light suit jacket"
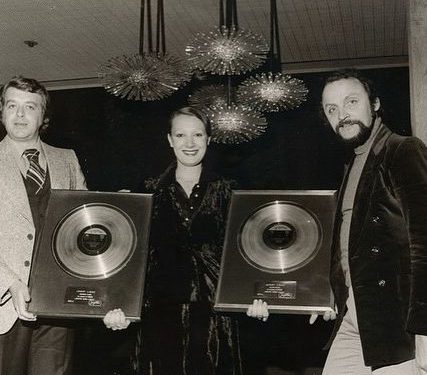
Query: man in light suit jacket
(29, 168)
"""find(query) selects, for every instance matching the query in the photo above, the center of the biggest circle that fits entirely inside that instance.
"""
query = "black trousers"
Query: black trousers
(36, 348)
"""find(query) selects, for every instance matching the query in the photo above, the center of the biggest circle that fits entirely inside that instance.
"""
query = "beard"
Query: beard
(361, 137)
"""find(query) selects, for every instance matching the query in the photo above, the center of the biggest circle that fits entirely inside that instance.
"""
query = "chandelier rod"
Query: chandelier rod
(228, 14)
(160, 28)
(274, 55)
(145, 7)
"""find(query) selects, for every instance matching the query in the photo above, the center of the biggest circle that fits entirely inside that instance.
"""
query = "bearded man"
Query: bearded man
(379, 255)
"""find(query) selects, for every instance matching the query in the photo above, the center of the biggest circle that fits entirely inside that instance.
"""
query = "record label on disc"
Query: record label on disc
(279, 237)
(94, 241)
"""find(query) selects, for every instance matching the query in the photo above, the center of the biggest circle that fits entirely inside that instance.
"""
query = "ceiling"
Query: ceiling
(75, 36)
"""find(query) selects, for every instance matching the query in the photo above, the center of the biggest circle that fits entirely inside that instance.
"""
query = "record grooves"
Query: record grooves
(94, 241)
(280, 237)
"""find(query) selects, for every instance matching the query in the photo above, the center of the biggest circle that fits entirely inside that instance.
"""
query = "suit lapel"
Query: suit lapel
(56, 167)
(12, 183)
(338, 216)
(347, 168)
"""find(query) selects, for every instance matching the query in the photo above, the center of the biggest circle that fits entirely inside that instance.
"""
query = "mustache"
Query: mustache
(343, 123)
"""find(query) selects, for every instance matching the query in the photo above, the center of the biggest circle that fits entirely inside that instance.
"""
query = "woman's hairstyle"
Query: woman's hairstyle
(33, 86)
(355, 74)
(195, 112)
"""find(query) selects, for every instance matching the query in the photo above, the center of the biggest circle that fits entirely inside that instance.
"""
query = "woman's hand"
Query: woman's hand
(116, 319)
(258, 309)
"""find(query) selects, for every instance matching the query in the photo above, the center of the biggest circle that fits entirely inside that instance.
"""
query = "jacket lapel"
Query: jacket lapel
(366, 185)
(56, 167)
(12, 183)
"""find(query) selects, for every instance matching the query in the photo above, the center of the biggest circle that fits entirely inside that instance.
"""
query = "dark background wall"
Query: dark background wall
(119, 140)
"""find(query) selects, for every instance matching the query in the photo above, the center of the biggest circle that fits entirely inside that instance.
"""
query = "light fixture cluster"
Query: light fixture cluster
(226, 51)
(230, 51)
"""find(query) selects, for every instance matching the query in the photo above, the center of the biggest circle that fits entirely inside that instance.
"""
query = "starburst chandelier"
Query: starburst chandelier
(273, 91)
(145, 77)
(148, 75)
(226, 50)
(235, 124)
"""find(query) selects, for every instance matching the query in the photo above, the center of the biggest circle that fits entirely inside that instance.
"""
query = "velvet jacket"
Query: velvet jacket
(387, 249)
(181, 333)
(186, 244)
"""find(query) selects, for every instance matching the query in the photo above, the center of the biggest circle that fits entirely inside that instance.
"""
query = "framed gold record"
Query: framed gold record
(277, 248)
(91, 255)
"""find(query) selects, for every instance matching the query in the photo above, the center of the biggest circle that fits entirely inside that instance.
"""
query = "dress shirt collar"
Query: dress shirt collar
(18, 150)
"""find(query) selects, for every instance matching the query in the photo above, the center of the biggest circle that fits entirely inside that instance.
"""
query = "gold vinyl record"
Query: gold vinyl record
(94, 241)
(280, 237)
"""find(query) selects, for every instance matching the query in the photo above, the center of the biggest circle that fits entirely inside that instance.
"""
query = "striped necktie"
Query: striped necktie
(35, 172)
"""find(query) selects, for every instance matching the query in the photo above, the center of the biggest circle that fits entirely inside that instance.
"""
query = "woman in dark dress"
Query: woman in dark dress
(180, 332)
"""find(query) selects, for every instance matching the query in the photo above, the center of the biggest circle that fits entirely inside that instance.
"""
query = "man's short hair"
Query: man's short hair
(33, 86)
(355, 74)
